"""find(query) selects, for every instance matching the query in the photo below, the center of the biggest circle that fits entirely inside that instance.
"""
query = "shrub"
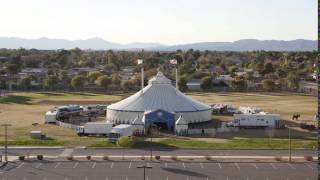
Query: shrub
(174, 158)
(21, 158)
(208, 158)
(278, 158)
(88, 158)
(308, 158)
(157, 157)
(70, 158)
(106, 158)
(125, 141)
(40, 157)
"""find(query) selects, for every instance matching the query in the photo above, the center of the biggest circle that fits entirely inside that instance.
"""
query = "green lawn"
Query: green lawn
(23, 109)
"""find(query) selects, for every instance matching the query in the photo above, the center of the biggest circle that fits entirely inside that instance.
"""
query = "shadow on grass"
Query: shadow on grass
(147, 145)
(51, 94)
(17, 99)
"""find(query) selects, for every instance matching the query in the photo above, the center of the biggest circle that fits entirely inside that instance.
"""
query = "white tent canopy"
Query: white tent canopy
(158, 94)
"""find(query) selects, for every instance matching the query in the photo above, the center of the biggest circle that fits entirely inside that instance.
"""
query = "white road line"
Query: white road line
(57, 164)
(130, 164)
(254, 165)
(45, 178)
(267, 178)
(287, 178)
(127, 178)
(75, 165)
(38, 166)
(219, 165)
(147, 178)
(106, 178)
(201, 165)
(309, 166)
(184, 166)
(24, 178)
(291, 166)
(111, 165)
(66, 178)
(227, 178)
(86, 178)
(187, 178)
(94, 165)
(247, 178)
(165, 165)
(20, 165)
(167, 178)
(238, 167)
(273, 166)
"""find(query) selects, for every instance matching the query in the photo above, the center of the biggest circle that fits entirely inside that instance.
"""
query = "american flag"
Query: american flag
(173, 61)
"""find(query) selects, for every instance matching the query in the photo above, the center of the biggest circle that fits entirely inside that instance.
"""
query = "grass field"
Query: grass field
(23, 109)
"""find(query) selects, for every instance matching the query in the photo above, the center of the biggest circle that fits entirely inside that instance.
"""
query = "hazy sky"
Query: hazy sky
(164, 21)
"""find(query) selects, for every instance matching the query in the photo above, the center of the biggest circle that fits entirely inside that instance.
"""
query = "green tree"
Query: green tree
(12, 68)
(126, 85)
(292, 80)
(206, 83)
(78, 81)
(93, 76)
(268, 68)
(239, 84)
(116, 80)
(103, 81)
(182, 83)
(25, 82)
(51, 81)
(268, 84)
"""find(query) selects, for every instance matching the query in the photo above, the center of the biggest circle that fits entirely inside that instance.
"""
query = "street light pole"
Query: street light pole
(289, 144)
(6, 141)
(144, 170)
(151, 140)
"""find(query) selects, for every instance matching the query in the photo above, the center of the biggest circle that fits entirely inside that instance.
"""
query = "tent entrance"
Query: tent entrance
(160, 119)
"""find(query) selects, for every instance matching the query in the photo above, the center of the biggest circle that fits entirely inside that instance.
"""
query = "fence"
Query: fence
(67, 125)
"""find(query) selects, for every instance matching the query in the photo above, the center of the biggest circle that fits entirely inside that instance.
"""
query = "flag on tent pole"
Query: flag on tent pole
(139, 61)
(173, 61)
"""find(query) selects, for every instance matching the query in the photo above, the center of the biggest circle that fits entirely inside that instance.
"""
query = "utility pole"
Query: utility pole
(144, 170)
(6, 141)
(151, 129)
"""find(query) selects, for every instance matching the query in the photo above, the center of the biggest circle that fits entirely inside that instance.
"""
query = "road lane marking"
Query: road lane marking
(287, 178)
(66, 178)
(238, 167)
(273, 166)
(187, 178)
(291, 166)
(309, 166)
(184, 166)
(165, 165)
(38, 166)
(106, 178)
(247, 178)
(20, 165)
(94, 165)
(227, 178)
(75, 165)
(24, 178)
(130, 164)
(201, 165)
(57, 164)
(167, 178)
(220, 166)
(127, 178)
(86, 178)
(254, 165)
(111, 165)
(147, 178)
(267, 178)
(45, 178)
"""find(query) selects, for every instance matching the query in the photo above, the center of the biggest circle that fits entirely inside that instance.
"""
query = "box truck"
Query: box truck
(95, 128)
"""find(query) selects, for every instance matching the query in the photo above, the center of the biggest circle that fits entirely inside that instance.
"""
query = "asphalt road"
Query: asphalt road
(104, 170)
(181, 152)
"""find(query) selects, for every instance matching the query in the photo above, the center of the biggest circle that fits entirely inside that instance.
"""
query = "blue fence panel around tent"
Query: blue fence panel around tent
(160, 116)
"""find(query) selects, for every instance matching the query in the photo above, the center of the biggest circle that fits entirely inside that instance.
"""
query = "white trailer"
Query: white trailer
(95, 128)
(51, 116)
(120, 130)
(255, 120)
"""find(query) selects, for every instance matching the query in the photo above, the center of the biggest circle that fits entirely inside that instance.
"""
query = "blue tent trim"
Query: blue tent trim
(160, 116)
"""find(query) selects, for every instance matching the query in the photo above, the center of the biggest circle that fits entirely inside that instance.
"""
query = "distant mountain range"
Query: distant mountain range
(101, 44)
